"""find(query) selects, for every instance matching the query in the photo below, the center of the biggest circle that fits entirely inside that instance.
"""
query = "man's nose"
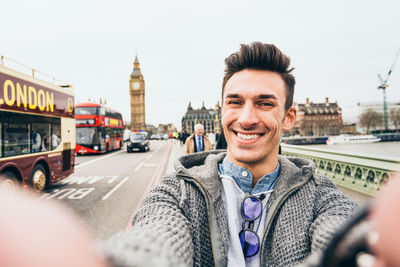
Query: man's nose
(248, 116)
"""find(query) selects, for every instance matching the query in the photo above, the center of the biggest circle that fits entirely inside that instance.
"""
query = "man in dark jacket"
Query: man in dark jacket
(221, 142)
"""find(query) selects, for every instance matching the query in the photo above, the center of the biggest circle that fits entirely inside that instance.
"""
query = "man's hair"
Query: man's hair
(260, 56)
(198, 126)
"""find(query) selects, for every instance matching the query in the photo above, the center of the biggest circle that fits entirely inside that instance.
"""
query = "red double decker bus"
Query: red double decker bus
(99, 129)
(37, 129)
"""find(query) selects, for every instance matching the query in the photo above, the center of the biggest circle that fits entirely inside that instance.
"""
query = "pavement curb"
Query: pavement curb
(158, 174)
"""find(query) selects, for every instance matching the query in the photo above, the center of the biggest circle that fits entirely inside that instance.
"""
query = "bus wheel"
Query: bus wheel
(38, 178)
(8, 182)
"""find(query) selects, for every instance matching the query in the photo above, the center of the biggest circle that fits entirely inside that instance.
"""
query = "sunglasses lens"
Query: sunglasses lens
(249, 241)
(251, 208)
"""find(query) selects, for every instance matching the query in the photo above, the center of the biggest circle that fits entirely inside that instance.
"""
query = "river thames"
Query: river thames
(380, 149)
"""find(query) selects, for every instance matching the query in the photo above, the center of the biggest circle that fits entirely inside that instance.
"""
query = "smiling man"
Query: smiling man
(246, 206)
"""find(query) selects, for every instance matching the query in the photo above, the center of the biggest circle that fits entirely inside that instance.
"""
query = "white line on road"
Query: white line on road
(139, 166)
(149, 156)
(94, 160)
(150, 165)
(115, 188)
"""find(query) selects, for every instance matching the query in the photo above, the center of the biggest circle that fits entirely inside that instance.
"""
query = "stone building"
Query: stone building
(166, 128)
(137, 97)
(209, 118)
(317, 119)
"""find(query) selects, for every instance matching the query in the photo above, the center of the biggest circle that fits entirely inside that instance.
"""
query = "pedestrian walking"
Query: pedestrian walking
(182, 137)
(221, 142)
(197, 142)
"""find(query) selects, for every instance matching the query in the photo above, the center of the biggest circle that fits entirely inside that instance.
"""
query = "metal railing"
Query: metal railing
(362, 173)
(32, 72)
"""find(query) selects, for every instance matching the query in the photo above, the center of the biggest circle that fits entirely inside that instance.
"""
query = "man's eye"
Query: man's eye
(266, 104)
(234, 102)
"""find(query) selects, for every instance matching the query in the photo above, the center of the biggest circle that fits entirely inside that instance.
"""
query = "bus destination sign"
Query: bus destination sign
(22, 95)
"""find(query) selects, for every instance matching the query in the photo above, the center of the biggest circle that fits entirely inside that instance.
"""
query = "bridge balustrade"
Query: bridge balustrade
(362, 173)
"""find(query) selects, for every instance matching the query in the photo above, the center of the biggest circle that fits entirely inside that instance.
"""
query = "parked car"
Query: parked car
(137, 142)
(155, 137)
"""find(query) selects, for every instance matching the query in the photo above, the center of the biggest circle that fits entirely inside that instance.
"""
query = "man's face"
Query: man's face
(253, 116)
(199, 131)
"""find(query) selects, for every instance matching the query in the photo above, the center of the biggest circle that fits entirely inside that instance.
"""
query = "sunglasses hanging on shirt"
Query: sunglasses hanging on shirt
(251, 210)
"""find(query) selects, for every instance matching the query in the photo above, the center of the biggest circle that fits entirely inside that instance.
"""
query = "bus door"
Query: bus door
(66, 156)
(112, 131)
(103, 139)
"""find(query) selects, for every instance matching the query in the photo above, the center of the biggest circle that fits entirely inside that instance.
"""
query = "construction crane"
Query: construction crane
(383, 85)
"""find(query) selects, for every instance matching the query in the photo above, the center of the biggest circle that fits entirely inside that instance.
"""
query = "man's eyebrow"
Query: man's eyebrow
(232, 96)
(269, 96)
(262, 96)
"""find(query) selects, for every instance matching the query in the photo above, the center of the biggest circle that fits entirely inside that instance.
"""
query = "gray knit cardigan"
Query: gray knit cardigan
(182, 221)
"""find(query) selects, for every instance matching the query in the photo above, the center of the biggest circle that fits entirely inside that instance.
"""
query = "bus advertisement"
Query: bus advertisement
(99, 129)
(37, 130)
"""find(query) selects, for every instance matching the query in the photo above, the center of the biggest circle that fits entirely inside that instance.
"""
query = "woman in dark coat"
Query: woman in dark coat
(221, 142)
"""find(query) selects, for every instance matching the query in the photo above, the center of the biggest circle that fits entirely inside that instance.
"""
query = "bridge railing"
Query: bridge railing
(362, 173)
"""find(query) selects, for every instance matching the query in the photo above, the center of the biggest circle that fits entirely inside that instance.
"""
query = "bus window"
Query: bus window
(56, 135)
(40, 137)
(16, 141)
(86, 111)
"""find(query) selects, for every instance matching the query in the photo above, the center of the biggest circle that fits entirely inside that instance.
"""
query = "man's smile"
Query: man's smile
(245, 136)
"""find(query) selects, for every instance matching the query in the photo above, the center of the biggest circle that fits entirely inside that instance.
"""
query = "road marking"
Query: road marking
(94, 160)
(150, 165)
(115, 188)
(113, 179)
(149, 156)
(72, 193)
(156, 177)
(139, 166)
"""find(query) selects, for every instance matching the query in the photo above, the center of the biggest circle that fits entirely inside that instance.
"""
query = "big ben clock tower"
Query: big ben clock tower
(136, 90)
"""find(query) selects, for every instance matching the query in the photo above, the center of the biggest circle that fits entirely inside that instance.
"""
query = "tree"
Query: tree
(370, 119)
(395, 117)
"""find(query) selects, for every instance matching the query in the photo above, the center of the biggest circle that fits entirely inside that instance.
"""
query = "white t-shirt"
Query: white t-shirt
(233, 196)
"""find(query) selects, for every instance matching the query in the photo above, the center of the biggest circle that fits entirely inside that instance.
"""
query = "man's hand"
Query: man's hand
(385, 240)
(35, 232)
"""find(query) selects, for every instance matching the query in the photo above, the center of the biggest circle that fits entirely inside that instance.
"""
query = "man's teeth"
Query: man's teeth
(247, 136)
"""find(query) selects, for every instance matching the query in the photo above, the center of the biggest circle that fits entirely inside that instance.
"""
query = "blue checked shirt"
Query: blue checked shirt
(244, 178)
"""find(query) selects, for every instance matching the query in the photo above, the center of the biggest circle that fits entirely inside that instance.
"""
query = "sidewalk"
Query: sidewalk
(176, 151)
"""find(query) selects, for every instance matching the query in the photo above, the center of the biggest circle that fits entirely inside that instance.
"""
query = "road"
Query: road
(105, 190)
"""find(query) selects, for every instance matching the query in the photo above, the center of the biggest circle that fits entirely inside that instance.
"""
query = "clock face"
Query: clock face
(135, 85)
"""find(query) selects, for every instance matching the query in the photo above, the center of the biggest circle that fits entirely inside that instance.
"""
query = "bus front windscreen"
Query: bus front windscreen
(87, 135)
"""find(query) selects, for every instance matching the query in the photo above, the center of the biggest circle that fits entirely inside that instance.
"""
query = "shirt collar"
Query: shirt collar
(244, 178)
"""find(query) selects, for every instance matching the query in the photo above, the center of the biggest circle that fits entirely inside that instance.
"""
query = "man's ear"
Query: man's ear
(290, 119)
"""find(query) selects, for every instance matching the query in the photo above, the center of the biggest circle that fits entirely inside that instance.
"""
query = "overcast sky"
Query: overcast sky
(337, 47)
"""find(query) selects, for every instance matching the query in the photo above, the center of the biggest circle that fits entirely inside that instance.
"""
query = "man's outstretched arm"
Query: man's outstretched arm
(332, 209)
(159, 235)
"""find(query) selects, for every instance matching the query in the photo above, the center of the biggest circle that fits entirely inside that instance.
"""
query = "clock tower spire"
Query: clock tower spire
(137, 96)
